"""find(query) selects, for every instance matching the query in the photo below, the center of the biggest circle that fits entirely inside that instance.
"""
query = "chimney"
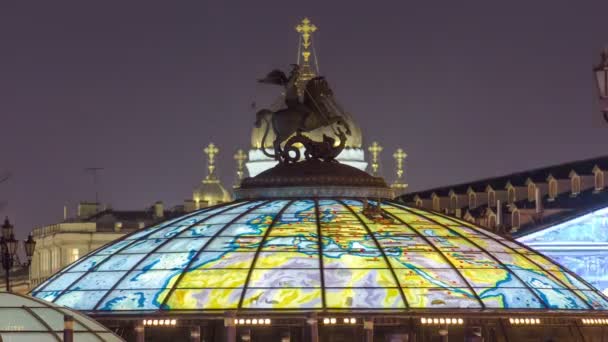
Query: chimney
(65, 212)
(538, 201)
(86, 209)
(159, 210)
(189, 205)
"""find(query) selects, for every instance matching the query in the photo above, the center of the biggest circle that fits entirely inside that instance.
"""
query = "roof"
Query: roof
(23, 318)
(582, 167)
(315, 255)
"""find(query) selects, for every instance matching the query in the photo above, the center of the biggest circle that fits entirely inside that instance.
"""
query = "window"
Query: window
(599, 180)
(436, 203)
(511, 195)
(515, 219)
(552, 189)
(531, 192)
(453, 202)
(492, 221)
(472, 199)
(576, 185)
(491, 197)
(74, 254)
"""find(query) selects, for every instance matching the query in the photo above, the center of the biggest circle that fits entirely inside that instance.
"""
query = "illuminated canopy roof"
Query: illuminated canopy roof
(315, 254)
(27, 319)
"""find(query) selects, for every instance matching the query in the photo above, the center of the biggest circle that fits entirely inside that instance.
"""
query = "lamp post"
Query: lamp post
(8, 250)
(601, 77)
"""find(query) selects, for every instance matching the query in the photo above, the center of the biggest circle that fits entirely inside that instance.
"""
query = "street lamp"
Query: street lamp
(601, 77)
(8, 250)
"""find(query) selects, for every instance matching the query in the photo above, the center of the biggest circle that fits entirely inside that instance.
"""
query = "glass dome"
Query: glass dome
(315, 254)
(27, 319)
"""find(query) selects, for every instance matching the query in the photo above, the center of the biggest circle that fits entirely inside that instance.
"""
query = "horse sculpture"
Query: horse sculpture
(312, 113)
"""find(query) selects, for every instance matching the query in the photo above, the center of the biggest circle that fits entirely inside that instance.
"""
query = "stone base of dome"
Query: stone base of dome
(314, 191)
(314, 178)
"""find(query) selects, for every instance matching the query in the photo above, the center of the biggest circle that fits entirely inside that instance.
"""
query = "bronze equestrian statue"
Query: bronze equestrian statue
(300, 116)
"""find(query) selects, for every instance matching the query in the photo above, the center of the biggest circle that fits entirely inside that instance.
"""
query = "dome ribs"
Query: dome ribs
(320, 246)
(381, 249)
(159, 246)
(447, 260)
(259, 248)
(566, 287)
(186, 269)
(541, 300)
(44, 323)
(124, 238)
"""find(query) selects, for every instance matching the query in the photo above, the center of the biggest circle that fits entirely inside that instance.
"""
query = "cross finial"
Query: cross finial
(306, 29)
(375, 150)
(399, 156)
(211, 151)
(240, 156)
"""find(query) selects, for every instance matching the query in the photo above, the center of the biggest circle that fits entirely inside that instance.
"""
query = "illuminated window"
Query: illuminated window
(515, 218)
(453, 201)
(491, 197)
(552, 189)
(575, 182)
(511, 195)
(531, 192)
(492, 221)
(74, 254)
(472, 199)
(599, 180)
(436, 202)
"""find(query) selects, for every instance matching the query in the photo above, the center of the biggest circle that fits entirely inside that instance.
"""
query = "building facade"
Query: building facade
(60, 244)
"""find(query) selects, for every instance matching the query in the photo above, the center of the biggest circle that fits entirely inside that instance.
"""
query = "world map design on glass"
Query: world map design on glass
(315, 254)
(580, 244)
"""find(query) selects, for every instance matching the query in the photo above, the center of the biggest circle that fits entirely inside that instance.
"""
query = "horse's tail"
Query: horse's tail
(259, 116)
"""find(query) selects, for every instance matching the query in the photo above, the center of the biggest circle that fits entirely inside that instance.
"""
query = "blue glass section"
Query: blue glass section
(580, 245)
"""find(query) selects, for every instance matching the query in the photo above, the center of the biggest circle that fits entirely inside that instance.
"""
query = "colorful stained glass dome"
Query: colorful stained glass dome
(315, 254)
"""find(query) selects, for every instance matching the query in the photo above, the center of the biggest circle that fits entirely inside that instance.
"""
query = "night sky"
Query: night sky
(469, 89)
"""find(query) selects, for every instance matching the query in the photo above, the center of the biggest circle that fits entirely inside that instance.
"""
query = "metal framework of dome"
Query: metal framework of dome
(316, 254)
(28, 319)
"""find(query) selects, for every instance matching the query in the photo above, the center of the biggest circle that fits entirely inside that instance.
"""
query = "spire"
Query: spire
(375, 150)
(241, 157)
(399, 156)
(305, 52)
(211, 151)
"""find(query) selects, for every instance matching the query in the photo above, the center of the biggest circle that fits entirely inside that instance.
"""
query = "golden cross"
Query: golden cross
(399, 156)
(375, 150)
(306, 29)
(211, 151)
(240, 156)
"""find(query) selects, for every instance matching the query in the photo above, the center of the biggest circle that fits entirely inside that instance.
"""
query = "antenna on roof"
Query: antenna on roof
(94, 171)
